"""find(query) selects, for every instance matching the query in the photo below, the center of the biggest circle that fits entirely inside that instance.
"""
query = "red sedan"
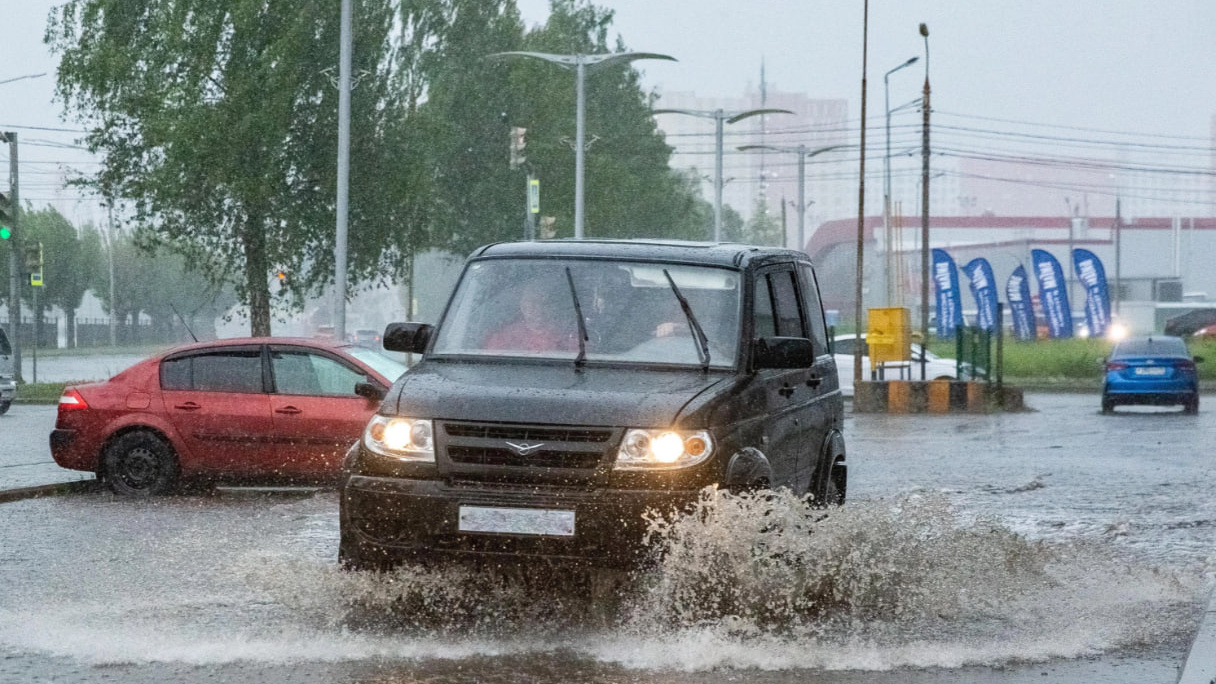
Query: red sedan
(254, 408)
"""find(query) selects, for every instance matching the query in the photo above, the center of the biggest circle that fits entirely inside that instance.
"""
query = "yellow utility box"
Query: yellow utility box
(890, 336)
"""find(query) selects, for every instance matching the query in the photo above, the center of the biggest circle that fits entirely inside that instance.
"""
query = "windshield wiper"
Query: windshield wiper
(699, 335)
(582, 325)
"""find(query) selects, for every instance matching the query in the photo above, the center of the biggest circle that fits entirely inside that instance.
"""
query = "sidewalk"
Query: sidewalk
(25, 451)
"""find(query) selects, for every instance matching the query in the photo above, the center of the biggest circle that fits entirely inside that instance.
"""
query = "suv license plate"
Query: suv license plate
(544, 522)
(1150, 370)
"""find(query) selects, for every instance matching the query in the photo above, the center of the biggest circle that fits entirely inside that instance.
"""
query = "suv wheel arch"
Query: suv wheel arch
(747, 470)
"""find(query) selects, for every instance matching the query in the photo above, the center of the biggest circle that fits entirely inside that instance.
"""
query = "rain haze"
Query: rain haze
(638, 444)
(1091, 67)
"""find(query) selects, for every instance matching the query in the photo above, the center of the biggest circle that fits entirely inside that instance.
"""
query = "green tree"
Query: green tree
(763, 228)
(216, 118)
(473, 102)
(69, 263)
(161, 285)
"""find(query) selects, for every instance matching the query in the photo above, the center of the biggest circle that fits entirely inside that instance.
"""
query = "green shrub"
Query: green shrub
(40, 392)
(1077, 358)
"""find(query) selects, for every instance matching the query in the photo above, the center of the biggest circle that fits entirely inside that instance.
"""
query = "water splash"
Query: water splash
(761, 580)
(764, 581)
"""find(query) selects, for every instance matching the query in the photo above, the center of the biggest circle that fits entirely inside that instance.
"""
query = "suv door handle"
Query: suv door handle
(786, 391)
(290, 410)
(188, 406)
(813, 381)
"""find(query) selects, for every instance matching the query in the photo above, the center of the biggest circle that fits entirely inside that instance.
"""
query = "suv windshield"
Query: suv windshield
(631, 313)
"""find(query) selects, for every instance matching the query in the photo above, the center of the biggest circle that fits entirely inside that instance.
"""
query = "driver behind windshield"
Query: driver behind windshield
(545, 321)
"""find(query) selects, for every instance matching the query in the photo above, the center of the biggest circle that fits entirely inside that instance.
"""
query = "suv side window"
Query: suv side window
(785, 298)
(765, 321)
(814, 309)
(777, 309)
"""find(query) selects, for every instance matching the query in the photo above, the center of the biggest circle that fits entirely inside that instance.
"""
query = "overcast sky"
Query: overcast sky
(1107, 65)
(1127, 65)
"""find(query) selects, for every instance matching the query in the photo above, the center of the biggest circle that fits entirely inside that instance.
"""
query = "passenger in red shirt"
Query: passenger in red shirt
(536, 330)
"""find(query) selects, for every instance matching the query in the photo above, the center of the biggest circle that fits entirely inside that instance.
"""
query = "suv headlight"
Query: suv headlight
(407, 439)
(658, 449)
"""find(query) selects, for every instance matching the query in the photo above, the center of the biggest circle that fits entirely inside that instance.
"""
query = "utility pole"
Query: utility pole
(110, 251)
(343, 190)
(861, 203)
(14, 259)
(1118, 255)
(924, 214)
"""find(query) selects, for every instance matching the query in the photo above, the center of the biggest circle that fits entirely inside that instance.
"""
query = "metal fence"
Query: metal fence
(88, 332)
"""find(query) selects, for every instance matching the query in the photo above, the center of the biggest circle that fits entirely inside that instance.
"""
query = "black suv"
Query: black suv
(571, 386)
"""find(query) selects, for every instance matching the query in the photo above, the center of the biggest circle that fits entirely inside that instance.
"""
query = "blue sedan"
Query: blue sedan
(1154, 370)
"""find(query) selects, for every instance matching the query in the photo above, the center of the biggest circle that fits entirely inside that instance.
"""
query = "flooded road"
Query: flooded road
(1060, 545)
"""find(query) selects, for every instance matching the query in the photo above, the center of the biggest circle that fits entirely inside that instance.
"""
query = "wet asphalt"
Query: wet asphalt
(242, 586)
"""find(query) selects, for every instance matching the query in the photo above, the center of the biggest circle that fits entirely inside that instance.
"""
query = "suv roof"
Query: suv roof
(728, 254)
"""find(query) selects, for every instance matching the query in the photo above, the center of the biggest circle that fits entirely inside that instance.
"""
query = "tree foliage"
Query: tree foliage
(217, 119)
(473, 102)
(159, 284)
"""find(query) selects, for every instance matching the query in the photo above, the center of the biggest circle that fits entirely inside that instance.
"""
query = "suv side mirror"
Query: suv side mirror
(1197, 359)
(411, 338)
(783, 352)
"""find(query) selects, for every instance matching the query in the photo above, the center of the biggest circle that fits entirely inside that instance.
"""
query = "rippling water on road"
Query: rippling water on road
(1061, 542)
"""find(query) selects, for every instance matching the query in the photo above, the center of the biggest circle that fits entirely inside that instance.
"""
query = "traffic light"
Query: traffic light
(281, 276)
(6, 217)
(33, 257)
(33, 263)
(518, 142)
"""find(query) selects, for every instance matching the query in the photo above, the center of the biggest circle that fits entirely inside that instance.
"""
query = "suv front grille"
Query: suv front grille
(569, 456)
(528, 432)
(538, 459)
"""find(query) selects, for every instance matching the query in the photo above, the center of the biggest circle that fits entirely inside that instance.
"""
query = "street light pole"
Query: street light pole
(720, 117)
(924, 212)
(803, 153)
(861, 201)
(343, 190)
(582, 64)
(886, 174)
(14, 263)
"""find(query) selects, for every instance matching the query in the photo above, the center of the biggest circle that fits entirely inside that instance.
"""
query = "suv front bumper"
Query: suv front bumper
(407, 519)
(8, 389)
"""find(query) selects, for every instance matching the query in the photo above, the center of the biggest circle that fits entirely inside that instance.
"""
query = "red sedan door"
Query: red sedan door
(317, 414)
(216, 399)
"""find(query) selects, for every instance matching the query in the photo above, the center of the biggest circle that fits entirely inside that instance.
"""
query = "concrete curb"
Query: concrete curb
(1200, 667)
(59, 489)
(935, 396)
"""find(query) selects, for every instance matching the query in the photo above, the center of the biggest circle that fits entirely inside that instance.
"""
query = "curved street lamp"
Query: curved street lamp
(581, 64)
(18, 78)
(720, 116)
(803, 153)
(886, 175)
